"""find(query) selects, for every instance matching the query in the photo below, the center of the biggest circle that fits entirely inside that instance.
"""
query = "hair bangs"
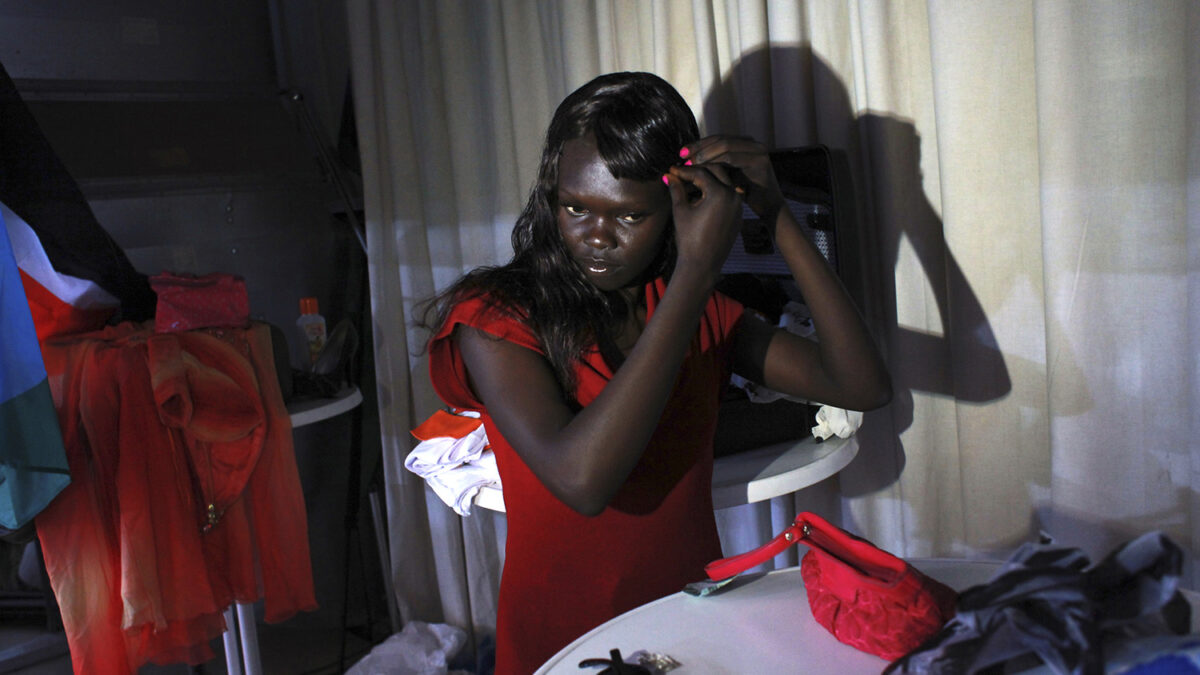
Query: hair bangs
(635, 152)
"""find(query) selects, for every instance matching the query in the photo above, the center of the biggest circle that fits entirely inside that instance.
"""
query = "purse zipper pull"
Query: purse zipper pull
(805, 530)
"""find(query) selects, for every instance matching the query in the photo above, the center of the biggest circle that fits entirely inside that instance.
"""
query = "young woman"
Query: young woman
(597, 356)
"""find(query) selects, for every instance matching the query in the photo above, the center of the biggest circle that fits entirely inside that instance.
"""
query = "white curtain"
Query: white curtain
(1027, 189)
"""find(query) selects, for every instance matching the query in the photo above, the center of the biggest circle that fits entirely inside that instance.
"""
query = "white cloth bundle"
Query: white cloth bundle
(456, 467)
(459, 486)
(443, 453)
(836, 421)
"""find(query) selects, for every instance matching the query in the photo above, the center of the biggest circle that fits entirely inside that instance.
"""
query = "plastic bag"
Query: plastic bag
(419, 649)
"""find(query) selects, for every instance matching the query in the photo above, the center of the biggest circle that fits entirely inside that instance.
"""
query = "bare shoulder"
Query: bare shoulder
(515, 383)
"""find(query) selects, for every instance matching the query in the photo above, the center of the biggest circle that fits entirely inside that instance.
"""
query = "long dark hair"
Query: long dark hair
(639, 123)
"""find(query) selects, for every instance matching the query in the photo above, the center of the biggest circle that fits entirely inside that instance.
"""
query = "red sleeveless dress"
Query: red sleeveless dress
(565, 573)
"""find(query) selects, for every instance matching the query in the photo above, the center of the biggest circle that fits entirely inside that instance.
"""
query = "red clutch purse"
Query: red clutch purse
(866, 597)
(188, 302)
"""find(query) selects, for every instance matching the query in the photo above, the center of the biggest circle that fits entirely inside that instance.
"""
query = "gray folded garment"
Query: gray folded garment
(1046, 606)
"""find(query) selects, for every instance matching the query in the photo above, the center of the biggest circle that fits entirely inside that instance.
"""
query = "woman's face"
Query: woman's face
(612, 227)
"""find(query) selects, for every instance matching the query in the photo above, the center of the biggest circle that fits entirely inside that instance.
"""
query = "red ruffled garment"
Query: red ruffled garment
(184, 498)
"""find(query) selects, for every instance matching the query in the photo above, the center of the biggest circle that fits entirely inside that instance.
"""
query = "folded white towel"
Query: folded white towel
(456, 468)
(459, 486)
(443, 453)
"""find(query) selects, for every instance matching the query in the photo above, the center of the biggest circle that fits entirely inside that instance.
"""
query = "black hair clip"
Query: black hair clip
(616, 665)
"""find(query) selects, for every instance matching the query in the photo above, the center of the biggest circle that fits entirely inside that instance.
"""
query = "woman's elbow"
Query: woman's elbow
(876, 392)
(583, 497)
(883, 396)
(863, 391)
(589, 509)
(585, 505)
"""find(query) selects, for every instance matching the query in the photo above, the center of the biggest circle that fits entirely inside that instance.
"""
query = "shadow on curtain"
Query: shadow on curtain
(964, 362)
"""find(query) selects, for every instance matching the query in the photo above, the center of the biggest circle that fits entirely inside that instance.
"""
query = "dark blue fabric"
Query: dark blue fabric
(21, 367)
(33, 463)
(1047, 605)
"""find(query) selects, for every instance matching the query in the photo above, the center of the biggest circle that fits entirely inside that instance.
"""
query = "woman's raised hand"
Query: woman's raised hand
(743, 163)
(707, 210)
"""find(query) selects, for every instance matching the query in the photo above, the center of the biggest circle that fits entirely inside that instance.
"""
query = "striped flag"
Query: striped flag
(33, 463)
(37, 186)
(61, 304)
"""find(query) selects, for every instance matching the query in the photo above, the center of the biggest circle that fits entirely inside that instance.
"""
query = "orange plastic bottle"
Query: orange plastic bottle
(312, 326)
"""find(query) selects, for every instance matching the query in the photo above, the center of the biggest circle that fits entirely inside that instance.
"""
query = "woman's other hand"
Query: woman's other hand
(743, 163)
(707, 210)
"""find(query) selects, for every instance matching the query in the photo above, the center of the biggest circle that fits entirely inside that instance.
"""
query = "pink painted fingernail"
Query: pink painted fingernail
(665, 181)
(688, 163)
(684, 152)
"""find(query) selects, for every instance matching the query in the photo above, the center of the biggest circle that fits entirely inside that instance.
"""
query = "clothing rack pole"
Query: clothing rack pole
(385, 560)
(249, 635)
(233, 657)
(330, 164)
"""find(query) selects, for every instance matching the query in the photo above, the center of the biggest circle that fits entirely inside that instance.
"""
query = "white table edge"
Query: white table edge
(767, 483)
(958, 573)
(310, 411)
(924, 564)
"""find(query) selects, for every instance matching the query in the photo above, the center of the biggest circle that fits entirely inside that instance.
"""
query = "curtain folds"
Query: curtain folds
(1027, 188)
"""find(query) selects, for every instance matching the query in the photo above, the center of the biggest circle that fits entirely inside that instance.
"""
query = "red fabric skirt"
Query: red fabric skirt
(184, 495)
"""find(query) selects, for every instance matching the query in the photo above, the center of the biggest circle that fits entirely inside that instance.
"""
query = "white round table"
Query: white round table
(755, 475)
(309, 411)
(757, 624)
(776, 470)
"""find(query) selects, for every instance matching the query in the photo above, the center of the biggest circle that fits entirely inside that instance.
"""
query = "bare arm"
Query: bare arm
(844, 368)
(583, 458)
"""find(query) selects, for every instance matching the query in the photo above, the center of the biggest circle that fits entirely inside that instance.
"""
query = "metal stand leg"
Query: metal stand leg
(248, 631)
(233, 655)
